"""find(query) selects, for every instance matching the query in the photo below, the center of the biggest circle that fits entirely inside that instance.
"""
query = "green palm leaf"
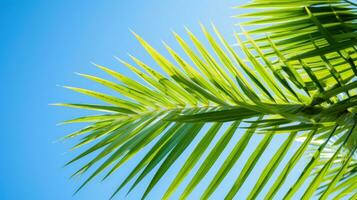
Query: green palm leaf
(297, 79)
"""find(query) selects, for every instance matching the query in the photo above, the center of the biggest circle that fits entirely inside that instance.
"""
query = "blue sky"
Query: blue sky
(42, 44)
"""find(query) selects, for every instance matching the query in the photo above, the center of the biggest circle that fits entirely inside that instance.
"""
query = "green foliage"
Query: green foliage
(296, 76)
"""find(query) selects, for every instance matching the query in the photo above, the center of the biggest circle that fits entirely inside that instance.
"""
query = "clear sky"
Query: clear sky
(42, 44)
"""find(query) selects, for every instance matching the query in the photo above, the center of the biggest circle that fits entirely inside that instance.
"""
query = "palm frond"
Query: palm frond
(268, 90)
(313, 42)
